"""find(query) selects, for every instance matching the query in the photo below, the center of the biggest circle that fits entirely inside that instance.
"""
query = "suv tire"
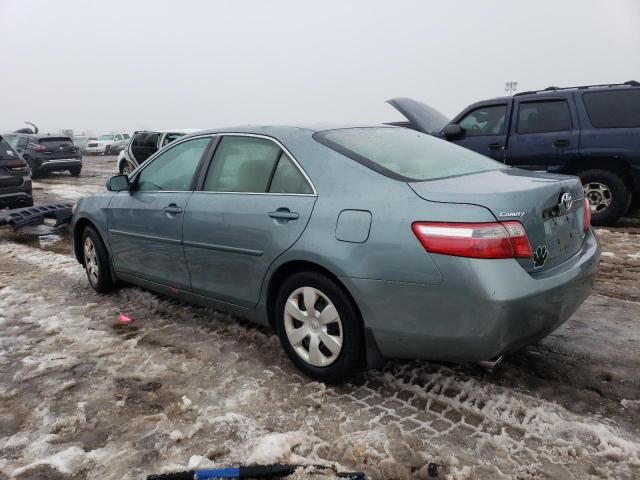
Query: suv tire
(607, 193)
(75, 171)
(96, 261)
(338, 343)
(107, 150)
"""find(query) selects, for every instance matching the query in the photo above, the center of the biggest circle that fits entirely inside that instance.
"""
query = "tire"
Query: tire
(608, 195)
(75, 171)
(96, 261)
(309, 353)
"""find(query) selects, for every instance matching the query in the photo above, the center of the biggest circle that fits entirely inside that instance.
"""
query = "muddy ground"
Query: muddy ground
(82, 397)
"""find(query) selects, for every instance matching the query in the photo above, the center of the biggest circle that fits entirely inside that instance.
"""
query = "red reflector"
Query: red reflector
(586, 214)
(474, 240)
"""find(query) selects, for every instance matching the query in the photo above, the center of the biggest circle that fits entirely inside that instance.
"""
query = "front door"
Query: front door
(254, 204)
(484, 131)
(145, 223)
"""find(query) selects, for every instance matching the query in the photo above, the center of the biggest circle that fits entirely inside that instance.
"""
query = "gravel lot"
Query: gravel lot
(82, 397)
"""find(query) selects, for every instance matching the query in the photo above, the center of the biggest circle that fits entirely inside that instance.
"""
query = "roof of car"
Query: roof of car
(275, 129)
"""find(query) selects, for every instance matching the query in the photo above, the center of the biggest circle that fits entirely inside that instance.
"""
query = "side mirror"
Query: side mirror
(453, 131)
(118, 183)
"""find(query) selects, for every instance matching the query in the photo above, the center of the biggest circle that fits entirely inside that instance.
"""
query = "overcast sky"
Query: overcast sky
(124, 65)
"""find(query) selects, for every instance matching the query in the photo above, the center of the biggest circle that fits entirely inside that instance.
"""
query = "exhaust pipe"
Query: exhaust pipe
(491, 364)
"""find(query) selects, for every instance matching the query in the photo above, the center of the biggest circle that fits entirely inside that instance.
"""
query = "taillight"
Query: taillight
(474, 240)
(36, 146)
(586, 214)
(16, 165)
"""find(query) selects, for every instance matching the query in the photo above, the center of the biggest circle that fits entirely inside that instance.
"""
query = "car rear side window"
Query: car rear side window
(242, 164)
(541, 117)
(288, 178)
(405, 154)
(487, 120)
(173, 169)
(613, 108)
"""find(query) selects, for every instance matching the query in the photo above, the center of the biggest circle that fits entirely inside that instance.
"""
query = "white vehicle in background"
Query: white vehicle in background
(145, 143)
(109, 144)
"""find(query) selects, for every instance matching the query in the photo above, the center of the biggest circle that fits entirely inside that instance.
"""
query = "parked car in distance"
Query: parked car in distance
(81, 141)
(47, 153)
(145, 143)
(109, 144)
(354, 244)
(590, 131)
(15, 182)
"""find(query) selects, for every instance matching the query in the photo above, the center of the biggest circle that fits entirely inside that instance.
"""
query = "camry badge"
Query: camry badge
(512, 214)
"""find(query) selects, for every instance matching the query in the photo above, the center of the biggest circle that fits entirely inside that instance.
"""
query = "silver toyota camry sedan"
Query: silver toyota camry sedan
(355, 243)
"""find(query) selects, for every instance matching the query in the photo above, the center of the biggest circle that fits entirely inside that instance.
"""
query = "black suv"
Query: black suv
(47, 153)
(15, 183)
(590, 131)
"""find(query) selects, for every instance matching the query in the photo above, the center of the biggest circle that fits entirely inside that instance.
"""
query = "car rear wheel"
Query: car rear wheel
(319, 328)
(107, 150)
(96, 261)
(608, 195)
(75, 171)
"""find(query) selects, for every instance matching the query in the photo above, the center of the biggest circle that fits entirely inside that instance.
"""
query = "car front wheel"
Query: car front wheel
(96, 261)
(319, 328)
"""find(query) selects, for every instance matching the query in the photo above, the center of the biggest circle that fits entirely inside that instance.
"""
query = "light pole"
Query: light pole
(510, 87)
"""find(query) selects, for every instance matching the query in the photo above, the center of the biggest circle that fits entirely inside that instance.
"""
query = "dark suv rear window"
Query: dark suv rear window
(6, 152)
(613, 108)
(405, 154)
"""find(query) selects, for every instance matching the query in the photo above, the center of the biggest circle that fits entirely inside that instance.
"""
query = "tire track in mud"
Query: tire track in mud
(181, 376)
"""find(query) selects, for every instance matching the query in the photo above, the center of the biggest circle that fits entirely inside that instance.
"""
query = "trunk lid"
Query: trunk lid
(535, 200)
(58, 147)
(422, 116)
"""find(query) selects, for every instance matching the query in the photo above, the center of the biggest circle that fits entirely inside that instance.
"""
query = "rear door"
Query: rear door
(544, 134)
(484, 130)
(143, 145)
(253, 204)
(145, 223)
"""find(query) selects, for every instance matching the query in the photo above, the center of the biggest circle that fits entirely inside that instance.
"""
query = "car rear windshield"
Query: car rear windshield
(405, 154)
(613, 108)
(58, 140)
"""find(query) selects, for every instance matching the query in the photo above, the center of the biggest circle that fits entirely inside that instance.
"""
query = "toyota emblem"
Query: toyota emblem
(566, 200)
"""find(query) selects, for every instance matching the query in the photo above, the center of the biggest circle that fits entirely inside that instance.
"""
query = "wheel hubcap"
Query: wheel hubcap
(598, 195)
(91, 261)
(313, 326)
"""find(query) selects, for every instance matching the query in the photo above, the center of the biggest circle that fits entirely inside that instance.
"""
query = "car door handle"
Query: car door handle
(172, 208)
(496, 146)
(284, 214)
(563, 142)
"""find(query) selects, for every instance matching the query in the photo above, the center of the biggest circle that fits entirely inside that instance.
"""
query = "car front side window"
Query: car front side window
(173, 170)
(484, 121)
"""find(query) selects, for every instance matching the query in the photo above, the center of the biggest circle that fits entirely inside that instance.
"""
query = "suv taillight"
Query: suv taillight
(36, 146)
(586, 214)
(16, 165)
(474, 240)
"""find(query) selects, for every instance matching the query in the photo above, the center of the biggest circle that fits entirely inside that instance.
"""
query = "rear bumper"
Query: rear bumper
(15, 197)
(59, 164)
(482, 309)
